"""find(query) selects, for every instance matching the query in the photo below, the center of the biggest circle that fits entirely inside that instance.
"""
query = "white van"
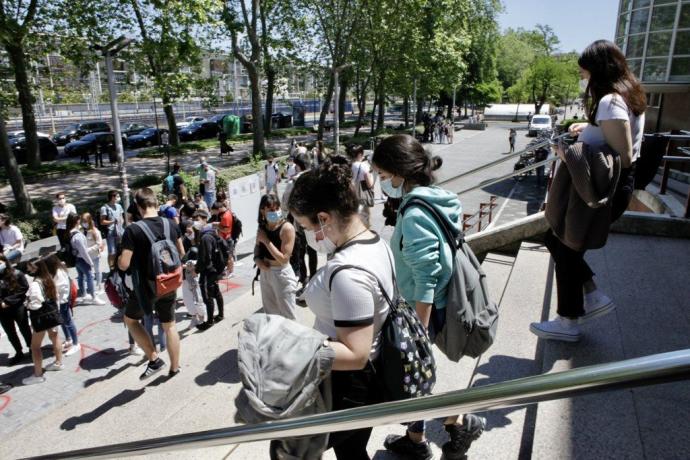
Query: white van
(539, 123)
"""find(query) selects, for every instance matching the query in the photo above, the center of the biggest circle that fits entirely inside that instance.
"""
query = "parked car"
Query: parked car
(12, 134)
(129, 129)
(218, 119)
(188, 121)
(145, 138)
(89, 144)
(198, 130)
(539, 123)
(47, 148)
(78, 130)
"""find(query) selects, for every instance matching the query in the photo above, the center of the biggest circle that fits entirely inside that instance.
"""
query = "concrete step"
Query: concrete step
(647, 278)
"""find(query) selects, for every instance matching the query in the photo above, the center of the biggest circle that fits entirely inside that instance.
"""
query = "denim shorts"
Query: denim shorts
(113, 242)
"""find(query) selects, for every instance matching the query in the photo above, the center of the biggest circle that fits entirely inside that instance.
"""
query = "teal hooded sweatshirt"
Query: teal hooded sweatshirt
(425, 263)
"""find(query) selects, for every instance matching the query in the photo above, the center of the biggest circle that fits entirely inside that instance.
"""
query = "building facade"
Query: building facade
(655, 37)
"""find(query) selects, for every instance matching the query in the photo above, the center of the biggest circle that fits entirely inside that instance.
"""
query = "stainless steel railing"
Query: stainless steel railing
(648, 370)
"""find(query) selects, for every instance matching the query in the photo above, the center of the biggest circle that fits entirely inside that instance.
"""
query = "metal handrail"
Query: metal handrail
(648, 370)
(491, 164)
(518, 172)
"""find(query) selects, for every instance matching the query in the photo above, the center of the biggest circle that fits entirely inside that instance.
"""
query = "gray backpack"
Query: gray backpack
(471, 316)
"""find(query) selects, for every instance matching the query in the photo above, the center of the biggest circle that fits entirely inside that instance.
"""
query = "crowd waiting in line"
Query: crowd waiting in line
(325, 209)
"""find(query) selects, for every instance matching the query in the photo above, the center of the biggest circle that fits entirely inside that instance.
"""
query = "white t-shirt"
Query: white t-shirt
(354, 298)
(211, 178)
(291, 171)
(360, 169)
(61, 212)
(62, 283)
(613, 107)
(11, 235)
(271, 173)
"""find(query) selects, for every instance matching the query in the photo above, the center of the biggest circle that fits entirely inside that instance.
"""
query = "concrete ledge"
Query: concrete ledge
(474, 126)
(504, 235)
(642, 223)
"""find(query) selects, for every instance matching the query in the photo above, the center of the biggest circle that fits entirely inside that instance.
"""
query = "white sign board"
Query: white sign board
(245, 196)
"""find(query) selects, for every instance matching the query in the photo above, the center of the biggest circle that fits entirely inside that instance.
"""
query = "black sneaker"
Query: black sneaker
(16, 359)
(152, 368)
(407, 448)
(205, 325)
(218, 318)
(462, 436)
(173, 373)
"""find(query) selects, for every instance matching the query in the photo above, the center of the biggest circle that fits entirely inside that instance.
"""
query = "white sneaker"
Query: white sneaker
(134, 350)
(596, 304)
(72, 350)
(33, 379)
(563, 329)
(55, 366)
(96, 301)
(66, 345)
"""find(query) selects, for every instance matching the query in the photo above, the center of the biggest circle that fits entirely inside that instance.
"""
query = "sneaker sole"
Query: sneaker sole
(601, 311)
(146, 375)
(553, 336)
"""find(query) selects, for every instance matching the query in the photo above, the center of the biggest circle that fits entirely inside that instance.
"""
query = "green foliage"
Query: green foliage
(37, 226)
(147, 180)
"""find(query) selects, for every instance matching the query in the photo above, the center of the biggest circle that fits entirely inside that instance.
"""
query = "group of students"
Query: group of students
(437, 129)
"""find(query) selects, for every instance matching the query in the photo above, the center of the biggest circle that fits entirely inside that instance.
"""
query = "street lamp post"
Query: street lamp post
(108, 51)
(336, 108)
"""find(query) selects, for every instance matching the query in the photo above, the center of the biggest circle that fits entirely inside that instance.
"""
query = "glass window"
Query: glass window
(659, 44)
(684, 16)
(625, 4)
(663, 17)
(638, 21)
(622, 24)
(635, 46)
(680, 69)
(682, 42)
(620, 42)
(655, 69)
(641, 3)
(635, 66)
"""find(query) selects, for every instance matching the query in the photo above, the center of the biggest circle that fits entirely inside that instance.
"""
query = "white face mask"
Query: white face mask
(583, 84)
(198, 224)
(86, 226)
(324, 246)
(388, 188)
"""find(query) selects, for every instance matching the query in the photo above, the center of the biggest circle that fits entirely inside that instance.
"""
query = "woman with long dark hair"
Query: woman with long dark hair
(348, 303)
(275, 241)
(42, 288)
(424, 264)
(63, 284)
(615, 103)
(13, 288)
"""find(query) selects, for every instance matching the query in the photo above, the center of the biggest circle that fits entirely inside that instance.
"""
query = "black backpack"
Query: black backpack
(66, 254)
(405, 366)
(236, 230)
(109, 215)
(221, 254)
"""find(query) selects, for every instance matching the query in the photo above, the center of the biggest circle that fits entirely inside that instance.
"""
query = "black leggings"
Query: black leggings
(572, 272)
(208, 282)
(353, 389)
(8, 317)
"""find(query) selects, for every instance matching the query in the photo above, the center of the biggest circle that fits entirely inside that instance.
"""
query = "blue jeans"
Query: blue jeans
(149, 319)
(68, 326)
(13, 256)
(210, 198)
(84, 273)
(97, 275)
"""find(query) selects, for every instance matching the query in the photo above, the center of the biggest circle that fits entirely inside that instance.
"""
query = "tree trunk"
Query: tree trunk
(373, 112)
(172, 123)
(406, 111)
(21, 195)
(270, 89)
(21, 81)
(342, 95)
(257, 117)
(326, 105)
(380, 122)
(361, 108)
(420, 109)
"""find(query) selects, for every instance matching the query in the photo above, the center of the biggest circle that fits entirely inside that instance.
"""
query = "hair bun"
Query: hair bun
(436, 163)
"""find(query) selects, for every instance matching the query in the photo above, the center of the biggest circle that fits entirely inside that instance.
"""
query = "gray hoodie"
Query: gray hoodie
(284, 367)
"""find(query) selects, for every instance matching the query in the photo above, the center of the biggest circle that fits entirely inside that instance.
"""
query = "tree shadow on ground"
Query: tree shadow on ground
(103, 359)
(121, 399)
(223, 369)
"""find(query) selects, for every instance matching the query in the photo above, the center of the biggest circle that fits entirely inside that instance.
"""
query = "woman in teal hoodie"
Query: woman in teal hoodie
(423, 265)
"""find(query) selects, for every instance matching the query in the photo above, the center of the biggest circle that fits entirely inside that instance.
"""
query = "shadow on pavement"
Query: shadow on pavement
(103, 359)
(223, 369)
(112, 373)
(120, 399)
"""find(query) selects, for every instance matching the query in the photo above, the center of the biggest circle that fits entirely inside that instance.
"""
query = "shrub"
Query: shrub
(37, 226)
(147, 180)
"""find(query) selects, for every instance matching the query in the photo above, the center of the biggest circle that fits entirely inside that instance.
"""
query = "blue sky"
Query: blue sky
(577, 23)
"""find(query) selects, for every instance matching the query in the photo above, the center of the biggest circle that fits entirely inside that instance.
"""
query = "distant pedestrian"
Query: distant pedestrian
(112, 219)
(84, 263)
(169, 209)
(271, 176)
(13, 289)
(63, 284)
(11, 239)
(291, 169)
(42, 289)
(199, 202)
(213, 258)
(96, 246)
(511, 139)
(61, 210)
(201, 171)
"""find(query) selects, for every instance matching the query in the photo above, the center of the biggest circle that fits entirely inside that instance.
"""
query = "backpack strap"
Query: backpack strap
(452, 235)
(146, 230)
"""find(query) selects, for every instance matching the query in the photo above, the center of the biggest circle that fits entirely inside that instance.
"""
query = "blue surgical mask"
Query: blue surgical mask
(274, 216)
(388, 189)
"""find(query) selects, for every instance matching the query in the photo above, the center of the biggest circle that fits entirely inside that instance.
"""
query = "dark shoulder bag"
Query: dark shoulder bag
(46, 317)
